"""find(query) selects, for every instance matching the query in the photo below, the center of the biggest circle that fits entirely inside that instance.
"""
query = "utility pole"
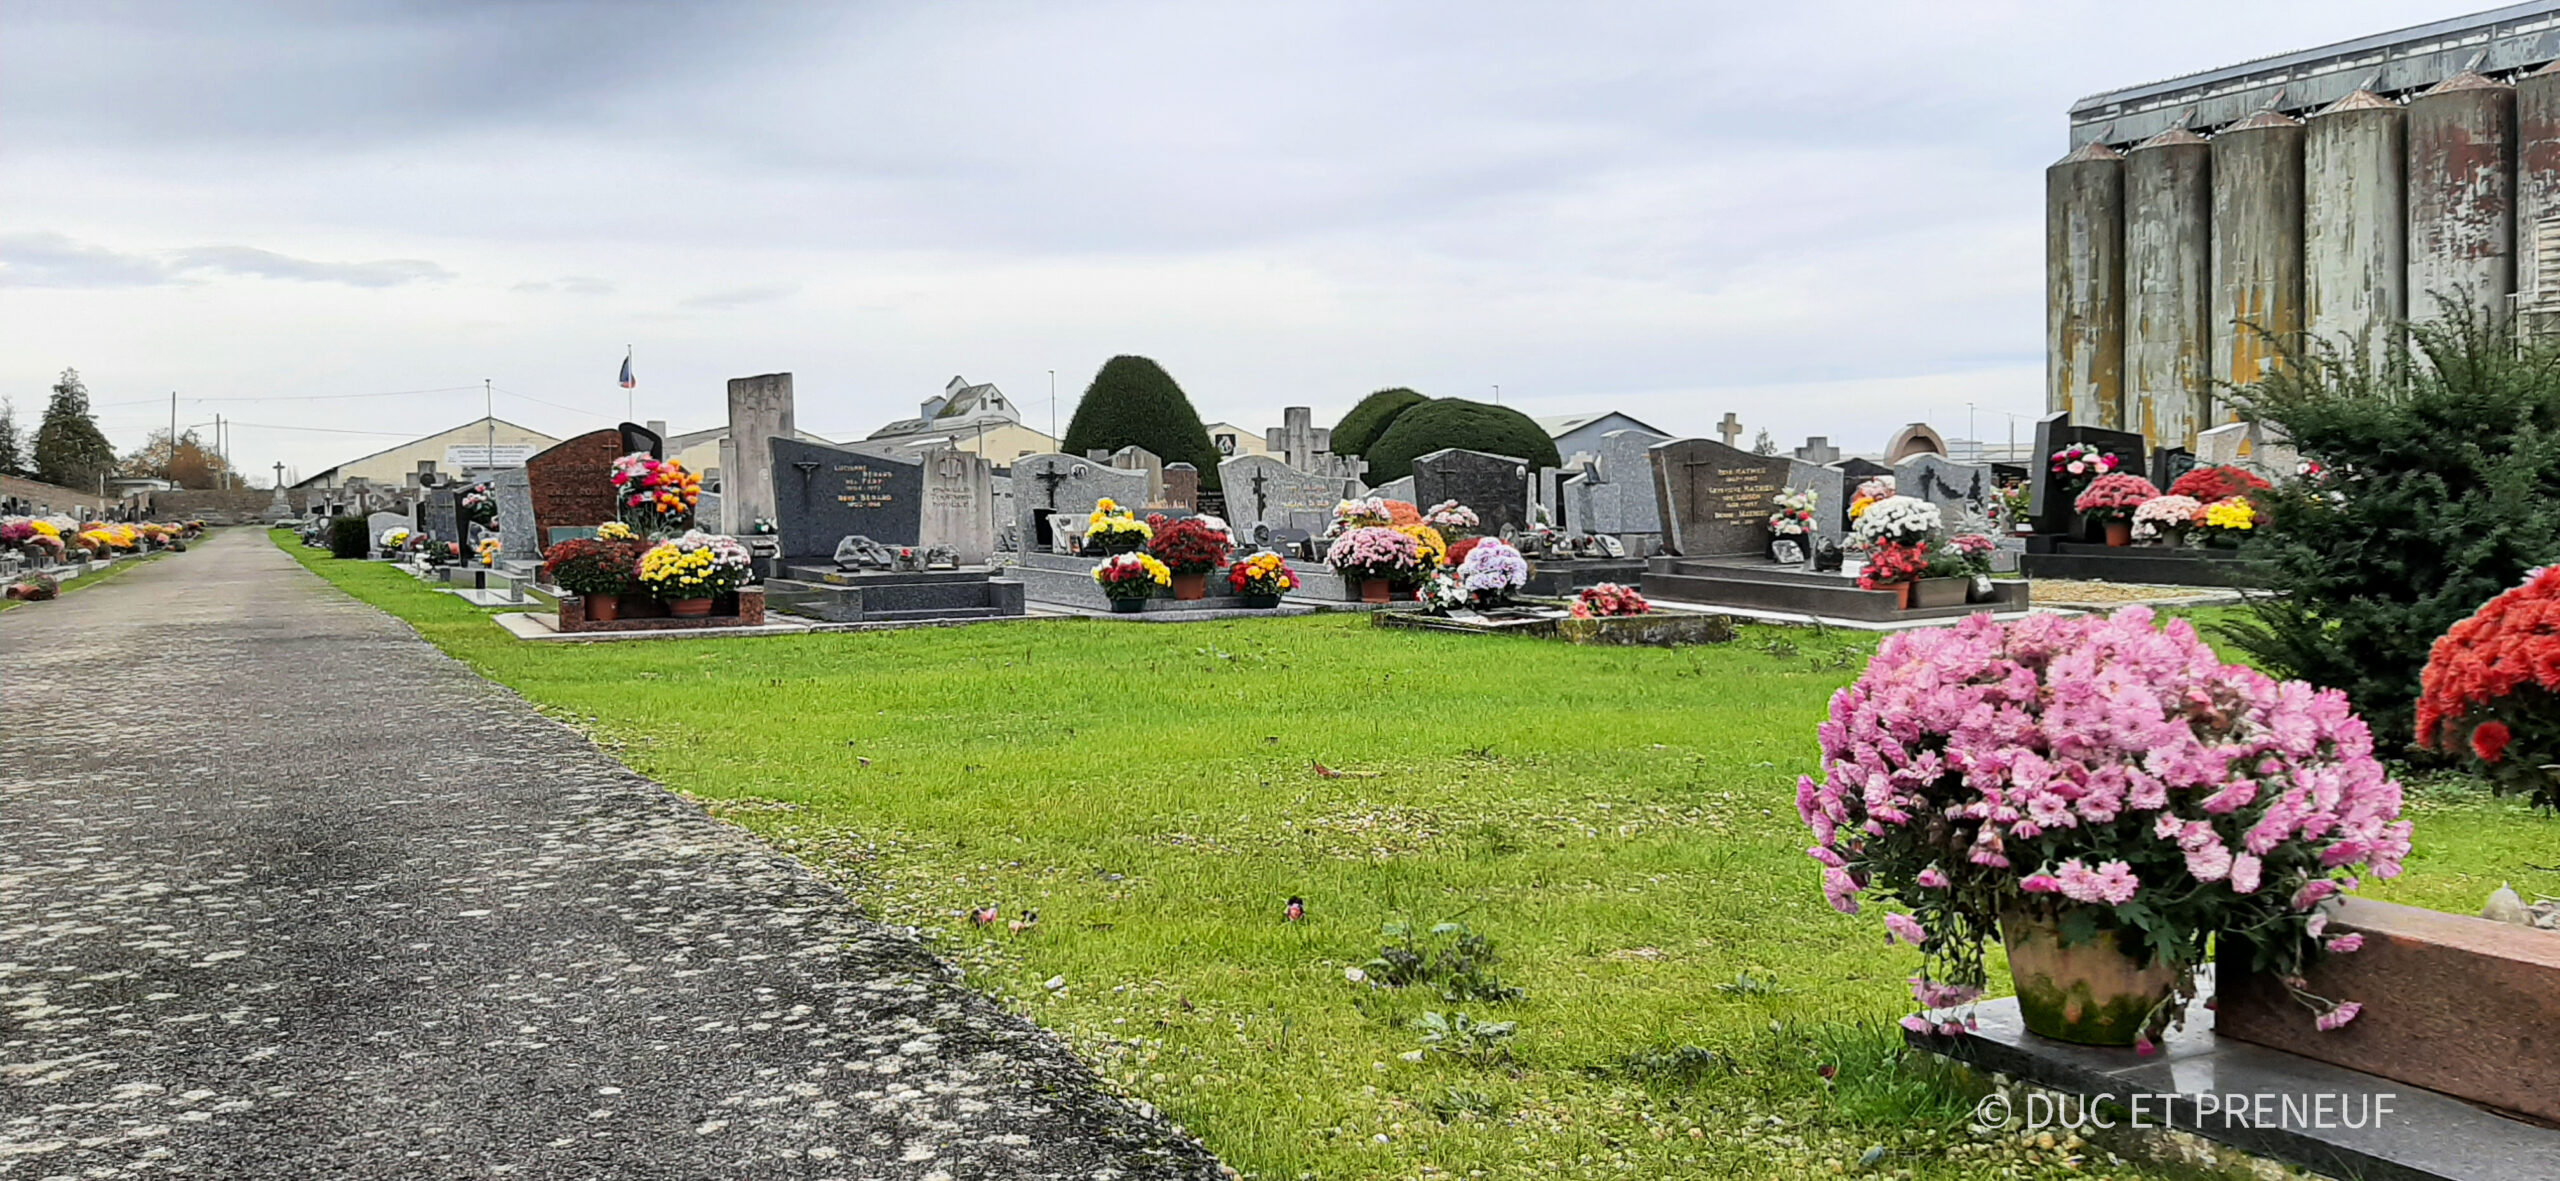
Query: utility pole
(1053, 408)
(1497, 395)
(222, 452)
(172, 473)
(489, 411)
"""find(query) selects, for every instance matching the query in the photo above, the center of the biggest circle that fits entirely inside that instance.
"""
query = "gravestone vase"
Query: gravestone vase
(1128, 606)
(1374, 590)
(2095, 994)
(2119, 533)
(602, 608)
(1262, 602)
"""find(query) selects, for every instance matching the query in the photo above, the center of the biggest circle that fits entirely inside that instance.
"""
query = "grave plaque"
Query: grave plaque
(440, 518)
(1261, 490)
(959, 506)
(1063, 489)
(515, 516)
(824, 494)
(760, 408)
(570, 484)
(1715, 500)
(1495, 486)
(1950, 485)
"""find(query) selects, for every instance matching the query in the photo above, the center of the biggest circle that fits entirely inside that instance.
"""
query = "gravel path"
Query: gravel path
(297, 895)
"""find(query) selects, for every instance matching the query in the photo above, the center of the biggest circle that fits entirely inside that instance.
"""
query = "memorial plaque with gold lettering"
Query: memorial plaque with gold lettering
(1715, 499)
(822, 495)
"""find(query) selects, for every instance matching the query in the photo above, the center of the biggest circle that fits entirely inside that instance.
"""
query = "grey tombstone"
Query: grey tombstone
(1617, 489)
(2245, 445)
(1182, 486)
(706, 512)
(2169, 463)
(760, 409)
(1495, 486)
(1946, 483)
(959, 505)
(1831, 503)
(1715, 499)
(1134, 458)
(824, 494)
(1261, 490)
(1817, 450)
(377, 524)
(515, 516)
(1400, 488)
(440, 516)
(1063, 489)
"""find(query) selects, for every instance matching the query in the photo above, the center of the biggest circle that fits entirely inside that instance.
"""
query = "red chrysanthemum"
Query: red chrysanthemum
(2511, 643)
(2209, 484)
(2489, 740)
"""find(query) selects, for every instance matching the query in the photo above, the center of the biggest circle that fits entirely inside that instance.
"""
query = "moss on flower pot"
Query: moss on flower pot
(2097, 993)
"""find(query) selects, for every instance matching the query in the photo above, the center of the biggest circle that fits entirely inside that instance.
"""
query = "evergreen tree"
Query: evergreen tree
(1457, 422)
(70, 451)
(13, 459)
(1764, 445)
(1360, 429)
(1133, 401)
(2440, 488)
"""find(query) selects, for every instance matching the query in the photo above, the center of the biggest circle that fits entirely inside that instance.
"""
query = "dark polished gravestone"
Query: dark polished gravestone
(2049, 505)
(1495, 486)
(1716, 500)
(822, 495)
(570, 483)
(440, 517)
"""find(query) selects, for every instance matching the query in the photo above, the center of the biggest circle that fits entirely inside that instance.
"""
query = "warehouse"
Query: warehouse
(2333, 191)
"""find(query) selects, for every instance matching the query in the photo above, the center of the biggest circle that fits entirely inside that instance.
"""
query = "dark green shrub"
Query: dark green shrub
(1134, 401)
(1360, 429)
(349, 537)
(2440, 488)
(1456, 422)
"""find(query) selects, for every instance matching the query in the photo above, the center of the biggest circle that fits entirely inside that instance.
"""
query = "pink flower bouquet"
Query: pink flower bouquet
(2105, 775)
(2115, 497)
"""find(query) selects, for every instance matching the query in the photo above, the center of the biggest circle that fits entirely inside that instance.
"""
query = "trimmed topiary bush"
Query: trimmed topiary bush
(1134, 401)
(1456, 422)
(349, 538)
(1359, 430)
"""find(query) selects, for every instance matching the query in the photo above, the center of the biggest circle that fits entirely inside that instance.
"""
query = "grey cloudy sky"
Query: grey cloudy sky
(1823, 217)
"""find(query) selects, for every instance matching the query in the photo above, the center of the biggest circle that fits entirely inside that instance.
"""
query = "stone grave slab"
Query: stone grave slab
(959, 505)
(516, 541)
(1064, 488)
(571, 483)
(2049, 503)
(377, 524)
(1715, 499)
(440, 516)
(1959, 487)
(1182, 487)
(1261, 490)
(824, 494)
(1495, 486)
(1618, 487)
(760, 408)
(1400, 488)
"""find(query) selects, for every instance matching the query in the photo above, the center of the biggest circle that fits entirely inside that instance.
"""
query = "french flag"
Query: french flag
(628, 381)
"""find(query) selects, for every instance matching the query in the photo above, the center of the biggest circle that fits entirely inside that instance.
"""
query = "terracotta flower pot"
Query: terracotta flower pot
(602, 608)
(1374, 590)
(2094, 994)
(1902, 596)
(689, 608)
(2119, 533)
(1191, 586)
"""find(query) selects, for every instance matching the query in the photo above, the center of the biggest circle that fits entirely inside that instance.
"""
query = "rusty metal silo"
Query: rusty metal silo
(2538, 185)
(2168, 261)
(2355, 223)
(2257, 250)
(2462, 194)
(2084, 285)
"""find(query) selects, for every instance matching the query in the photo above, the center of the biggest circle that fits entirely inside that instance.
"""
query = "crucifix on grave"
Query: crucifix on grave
(1730, 428)
(1259, 478)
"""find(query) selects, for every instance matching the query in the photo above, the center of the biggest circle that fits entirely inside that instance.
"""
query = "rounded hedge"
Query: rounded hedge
(1132, 400)
(1456, 422)
(1360, 429)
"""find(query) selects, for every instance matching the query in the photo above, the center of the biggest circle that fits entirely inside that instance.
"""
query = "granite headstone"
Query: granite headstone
(1495, 486)
(959, 505)
(440, 517)
(515, 516)
(1182, 486)
(1715, 499)
(1063, 489)
(2049, 504)
(1261, 490)
(760, 408)
(824, 494)
(570, 484)
(1619, 489)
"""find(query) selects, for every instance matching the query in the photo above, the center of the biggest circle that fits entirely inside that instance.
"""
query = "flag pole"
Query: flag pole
(630, 393)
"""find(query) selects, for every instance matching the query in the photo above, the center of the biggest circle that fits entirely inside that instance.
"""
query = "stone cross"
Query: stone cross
(1730, 428)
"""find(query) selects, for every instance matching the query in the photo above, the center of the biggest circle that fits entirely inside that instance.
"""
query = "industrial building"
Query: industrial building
(2333, 191)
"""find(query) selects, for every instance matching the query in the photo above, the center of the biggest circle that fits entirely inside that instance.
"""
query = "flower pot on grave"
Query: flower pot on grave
(2097, 993)
(1128, 606)
(1262, 602)
(1191, 586)
(1375, 590)
(1980, 590)
(689, 608)
(1901, 595)
(1939, 592)
(602, 608)
(2119, 533)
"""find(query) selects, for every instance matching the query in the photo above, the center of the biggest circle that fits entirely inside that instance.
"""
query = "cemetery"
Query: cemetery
(38, 554)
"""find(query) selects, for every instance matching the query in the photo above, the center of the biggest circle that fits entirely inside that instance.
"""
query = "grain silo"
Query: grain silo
(2331, 191)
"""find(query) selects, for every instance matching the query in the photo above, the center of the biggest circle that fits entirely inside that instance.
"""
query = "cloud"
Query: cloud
(567, 285)
(267, 264)
(45, 259)
(48, 259)
(739, 297)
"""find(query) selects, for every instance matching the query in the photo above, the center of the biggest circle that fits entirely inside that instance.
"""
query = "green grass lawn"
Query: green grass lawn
(1620, 823)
